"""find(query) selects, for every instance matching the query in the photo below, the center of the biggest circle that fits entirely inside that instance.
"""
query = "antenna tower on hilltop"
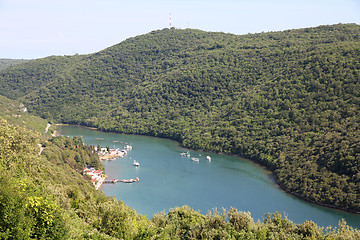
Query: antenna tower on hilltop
(170, 24)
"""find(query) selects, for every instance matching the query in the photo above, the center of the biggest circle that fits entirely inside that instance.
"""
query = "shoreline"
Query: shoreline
(271, 171)
(100, 182)
(278, 183)
(310, 201)
(66, 124)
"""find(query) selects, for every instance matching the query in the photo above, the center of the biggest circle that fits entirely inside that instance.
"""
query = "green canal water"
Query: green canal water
(168, 180)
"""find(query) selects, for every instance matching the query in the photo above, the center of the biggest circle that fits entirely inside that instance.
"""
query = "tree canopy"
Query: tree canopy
(289, 100)
(45, 197)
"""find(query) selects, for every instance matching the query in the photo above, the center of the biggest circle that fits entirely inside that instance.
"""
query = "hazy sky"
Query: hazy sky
(39, 28)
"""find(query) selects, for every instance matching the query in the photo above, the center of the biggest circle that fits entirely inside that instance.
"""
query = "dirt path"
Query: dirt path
(41, 148)
(47, 127)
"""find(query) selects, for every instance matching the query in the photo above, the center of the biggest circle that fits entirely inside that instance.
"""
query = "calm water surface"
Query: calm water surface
(168, 180)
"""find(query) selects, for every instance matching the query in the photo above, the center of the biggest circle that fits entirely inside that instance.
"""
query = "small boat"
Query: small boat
(136, 164)
(195, 159)
(187, 154)
(208, 158)
(130, 180)
(127, 147)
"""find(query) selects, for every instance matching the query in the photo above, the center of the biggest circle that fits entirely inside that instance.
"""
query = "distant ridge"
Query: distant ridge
(289, 100)
(5, 63)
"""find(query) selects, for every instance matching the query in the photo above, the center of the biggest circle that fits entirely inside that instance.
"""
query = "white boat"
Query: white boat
(208, 158)
(187, 154)
(195, 159)
(127, 147)
(136, 164)
(130, 180)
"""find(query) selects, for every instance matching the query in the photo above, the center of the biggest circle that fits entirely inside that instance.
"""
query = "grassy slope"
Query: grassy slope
(16, 113)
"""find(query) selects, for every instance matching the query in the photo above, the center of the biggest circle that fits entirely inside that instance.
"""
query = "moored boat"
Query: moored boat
(187, 154)
(136, 164)
(195, 159)
(127, 147)
(130, 180)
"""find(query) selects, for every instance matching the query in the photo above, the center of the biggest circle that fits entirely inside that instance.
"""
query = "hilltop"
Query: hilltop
(289, 100)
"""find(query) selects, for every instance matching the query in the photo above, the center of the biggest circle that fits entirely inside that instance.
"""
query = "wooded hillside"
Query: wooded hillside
(289, 100)
(47, 197)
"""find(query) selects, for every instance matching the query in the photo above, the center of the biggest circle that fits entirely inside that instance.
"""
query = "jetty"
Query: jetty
(111, 181)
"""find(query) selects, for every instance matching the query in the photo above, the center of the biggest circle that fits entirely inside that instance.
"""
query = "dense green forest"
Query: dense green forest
(46, 197)
(288, 100)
